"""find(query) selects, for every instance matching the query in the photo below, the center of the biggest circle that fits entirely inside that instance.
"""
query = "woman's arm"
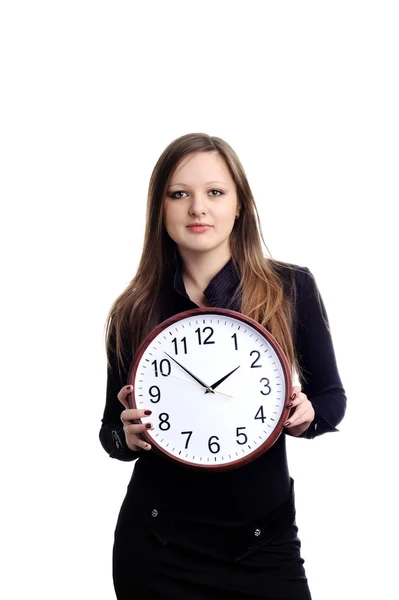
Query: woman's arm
(112, 436)
(323, 385)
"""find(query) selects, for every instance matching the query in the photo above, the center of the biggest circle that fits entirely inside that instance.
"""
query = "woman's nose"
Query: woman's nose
(198, 205)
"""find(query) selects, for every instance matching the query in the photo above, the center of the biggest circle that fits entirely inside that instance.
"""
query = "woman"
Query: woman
(231, 534)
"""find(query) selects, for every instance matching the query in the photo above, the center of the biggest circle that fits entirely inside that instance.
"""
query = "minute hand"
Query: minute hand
(208, 389)
(215, 385)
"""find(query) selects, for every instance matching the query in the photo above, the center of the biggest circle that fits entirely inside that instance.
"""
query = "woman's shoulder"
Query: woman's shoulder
(291, 274)
(297, 279)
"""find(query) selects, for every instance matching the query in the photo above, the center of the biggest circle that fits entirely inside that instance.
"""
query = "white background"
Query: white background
(91, 93)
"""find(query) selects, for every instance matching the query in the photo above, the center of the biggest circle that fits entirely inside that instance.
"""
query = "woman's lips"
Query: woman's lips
(198, 228)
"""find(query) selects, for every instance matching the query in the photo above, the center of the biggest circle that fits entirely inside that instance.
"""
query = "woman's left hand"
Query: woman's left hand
(302, 413)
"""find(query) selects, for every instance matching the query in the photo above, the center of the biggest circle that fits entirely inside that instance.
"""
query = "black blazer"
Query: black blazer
(323, 387)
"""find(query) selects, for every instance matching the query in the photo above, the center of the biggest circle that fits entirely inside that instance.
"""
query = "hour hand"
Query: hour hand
(217, 383)
(208, 389)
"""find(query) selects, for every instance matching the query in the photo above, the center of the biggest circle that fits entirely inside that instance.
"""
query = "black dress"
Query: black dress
(231, 534)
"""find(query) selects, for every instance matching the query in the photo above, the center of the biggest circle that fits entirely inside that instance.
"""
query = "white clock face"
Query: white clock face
(235, 406)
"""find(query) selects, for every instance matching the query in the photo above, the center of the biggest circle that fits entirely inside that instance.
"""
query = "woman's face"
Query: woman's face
(201, 190)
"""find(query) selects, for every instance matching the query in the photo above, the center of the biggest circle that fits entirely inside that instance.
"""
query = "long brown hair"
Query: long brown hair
(138, 309)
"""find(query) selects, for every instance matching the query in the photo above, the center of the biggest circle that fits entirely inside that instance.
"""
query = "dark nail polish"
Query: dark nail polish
(286, 423)
(289, 405)
(293, 396)
(148, 425)
(148, 412)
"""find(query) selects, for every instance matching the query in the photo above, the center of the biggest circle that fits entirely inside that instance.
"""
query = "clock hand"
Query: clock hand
(215, 385)
(191, 375)
(196, 384)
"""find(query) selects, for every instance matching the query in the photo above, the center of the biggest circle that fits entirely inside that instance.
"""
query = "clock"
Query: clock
(218, 385)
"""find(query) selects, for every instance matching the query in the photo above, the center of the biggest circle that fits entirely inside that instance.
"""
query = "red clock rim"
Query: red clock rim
(268, 443)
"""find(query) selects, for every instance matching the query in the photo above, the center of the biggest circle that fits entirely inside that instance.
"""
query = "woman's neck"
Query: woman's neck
(199, 269)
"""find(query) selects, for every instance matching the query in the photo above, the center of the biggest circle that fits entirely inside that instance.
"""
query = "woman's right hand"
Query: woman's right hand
(129, 419)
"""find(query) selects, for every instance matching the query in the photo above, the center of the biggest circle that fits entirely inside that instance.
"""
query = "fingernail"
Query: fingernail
(148, 425)
(128, 387)
(148, 412)
(290, 404)
(293, 396)
(148, 447)
(287, 423)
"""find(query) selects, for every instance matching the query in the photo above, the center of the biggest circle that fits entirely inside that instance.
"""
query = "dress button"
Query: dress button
(154, 513)
(257, 532)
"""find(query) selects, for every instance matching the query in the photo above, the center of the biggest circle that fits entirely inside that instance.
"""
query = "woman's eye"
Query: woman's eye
(173, 195)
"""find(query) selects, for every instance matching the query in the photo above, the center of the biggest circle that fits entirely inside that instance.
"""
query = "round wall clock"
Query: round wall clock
(218, 385)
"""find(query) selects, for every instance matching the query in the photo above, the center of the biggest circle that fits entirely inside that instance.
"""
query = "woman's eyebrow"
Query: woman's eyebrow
(188, 185)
